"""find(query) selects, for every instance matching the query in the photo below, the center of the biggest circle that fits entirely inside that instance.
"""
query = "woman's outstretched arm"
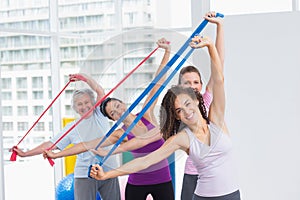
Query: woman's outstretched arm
(84, 146)
(133, 144)
(179, 141)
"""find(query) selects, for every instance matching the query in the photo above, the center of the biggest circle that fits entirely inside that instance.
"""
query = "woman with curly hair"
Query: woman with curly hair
(190, 76)
(185, 126)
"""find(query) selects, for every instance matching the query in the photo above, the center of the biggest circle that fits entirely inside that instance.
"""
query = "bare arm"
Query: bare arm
(211, 17)
(83, 146)
(90, 81)
(134, 143)
(217, 107)
(74, 150)
(162, 43)
(179, 141)
(35, 151)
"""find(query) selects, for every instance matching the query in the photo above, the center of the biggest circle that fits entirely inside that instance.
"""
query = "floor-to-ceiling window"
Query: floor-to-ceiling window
(90, 37)
(42, 42)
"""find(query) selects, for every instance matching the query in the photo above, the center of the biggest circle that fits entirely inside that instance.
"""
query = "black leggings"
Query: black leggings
(162, 191)
(232, 196)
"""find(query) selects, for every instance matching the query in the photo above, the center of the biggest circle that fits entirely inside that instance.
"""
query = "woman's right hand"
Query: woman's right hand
(19, 152)
(77, 77)
(212, 18)
(49, 154)
(97, 172)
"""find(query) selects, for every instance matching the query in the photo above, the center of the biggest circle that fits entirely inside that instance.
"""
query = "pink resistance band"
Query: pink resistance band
(98, 103)
(13, 156)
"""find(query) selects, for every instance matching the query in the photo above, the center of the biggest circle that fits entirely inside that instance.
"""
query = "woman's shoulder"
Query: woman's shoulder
(214, 128)
(181, 139)
(185, 132)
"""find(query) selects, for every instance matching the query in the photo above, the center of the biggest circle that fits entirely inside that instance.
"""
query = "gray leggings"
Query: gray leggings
(232, 196)
(87, 188)
(188, 186)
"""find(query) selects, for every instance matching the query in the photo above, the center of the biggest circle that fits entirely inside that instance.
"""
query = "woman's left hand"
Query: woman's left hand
(48, 154)
(163, 43)
(97, 172)
(200, 41)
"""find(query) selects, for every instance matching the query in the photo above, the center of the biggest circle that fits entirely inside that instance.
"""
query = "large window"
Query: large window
(6, 96)
(7, 110)
(22, 110)
(40, 126)
(25, 59)
(37, 94)
(6, 83)
(40, 47)
(22, 126)
(8, 126)
(37, 82)
(22, 82)
(37, 110)
(22, 95)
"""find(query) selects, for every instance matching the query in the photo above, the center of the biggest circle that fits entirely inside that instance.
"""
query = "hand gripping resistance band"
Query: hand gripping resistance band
(150, 86)
(99, 102)
(13, 156)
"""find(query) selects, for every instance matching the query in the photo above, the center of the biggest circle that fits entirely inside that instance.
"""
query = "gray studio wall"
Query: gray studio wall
(262, 72)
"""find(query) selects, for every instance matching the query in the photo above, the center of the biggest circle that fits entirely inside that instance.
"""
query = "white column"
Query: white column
(295, 5)
(198, 10)
(2, 189)
(55, 80)
(199, 59)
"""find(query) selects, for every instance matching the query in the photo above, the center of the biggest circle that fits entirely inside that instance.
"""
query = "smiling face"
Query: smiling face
(115, 109)
(191, 79)
(187, 109)
(82, 104)
(181, 106)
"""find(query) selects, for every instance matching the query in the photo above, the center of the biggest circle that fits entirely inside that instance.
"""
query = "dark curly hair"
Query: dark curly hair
(169, 125)
(104, 104)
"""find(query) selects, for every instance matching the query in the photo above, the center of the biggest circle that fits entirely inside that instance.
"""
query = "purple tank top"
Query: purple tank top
(155, 174)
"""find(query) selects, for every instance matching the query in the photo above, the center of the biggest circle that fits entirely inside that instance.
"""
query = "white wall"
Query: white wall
(262, 72)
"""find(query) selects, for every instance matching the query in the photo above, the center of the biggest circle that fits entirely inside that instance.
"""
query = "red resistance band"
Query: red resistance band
(98, 103)
(13, 156)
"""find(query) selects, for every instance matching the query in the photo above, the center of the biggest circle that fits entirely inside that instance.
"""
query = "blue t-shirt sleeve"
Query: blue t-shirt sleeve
(65, 141)
(102, 120)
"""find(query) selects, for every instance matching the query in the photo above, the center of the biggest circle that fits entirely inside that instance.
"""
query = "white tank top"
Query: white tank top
(214, 163)
(189, 165)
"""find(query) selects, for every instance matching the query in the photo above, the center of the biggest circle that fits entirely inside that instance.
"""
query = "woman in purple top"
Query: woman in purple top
(185, 126)
(156, 179)
(142, 140)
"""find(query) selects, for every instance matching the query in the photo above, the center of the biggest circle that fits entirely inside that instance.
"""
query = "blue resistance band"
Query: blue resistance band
(147, 106)
(146, 91)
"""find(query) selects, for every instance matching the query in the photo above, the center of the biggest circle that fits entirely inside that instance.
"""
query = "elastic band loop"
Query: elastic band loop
(151, 85)
(14, 153)
(147, 106)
